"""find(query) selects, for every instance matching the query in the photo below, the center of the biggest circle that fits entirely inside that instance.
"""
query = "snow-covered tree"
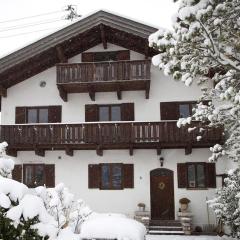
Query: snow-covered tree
(227, 205)
(204, 46)
(6, 163)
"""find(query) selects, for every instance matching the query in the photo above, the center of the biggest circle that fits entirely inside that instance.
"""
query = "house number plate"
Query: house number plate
(161, 185)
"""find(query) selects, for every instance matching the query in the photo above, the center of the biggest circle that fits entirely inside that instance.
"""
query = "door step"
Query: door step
(165, 227)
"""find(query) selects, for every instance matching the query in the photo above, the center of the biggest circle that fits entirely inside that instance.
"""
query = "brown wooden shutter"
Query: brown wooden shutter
(20, 115)
(94, 176)
(50, 175)
(17, 173)
(169, 110)
(211, 175)
(128, 175)
(91, 113)
(123, 55)
(127, 112)
(182, 175)
(54, 114)
(87, 57)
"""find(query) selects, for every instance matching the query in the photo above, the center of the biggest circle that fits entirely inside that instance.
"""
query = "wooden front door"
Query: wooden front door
(162, 194)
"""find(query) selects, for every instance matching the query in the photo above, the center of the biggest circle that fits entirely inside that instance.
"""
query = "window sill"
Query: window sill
(197, 188)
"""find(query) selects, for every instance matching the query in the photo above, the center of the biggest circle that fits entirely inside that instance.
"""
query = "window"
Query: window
(109, 113)
(196, 175)
(34, 175)
(106, 56)
(37, 115)
(184, 110)
(110, 176)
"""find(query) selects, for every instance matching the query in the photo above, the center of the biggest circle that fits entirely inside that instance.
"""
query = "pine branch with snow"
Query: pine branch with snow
(6, 163)
(204, 46)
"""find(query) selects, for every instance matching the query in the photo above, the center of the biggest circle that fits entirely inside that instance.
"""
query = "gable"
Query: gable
(100, 27)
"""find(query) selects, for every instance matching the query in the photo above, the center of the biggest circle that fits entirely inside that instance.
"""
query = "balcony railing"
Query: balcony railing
(124, 135)
(104, 77)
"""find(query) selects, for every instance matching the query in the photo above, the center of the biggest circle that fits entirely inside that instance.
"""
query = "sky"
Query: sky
(25, 30)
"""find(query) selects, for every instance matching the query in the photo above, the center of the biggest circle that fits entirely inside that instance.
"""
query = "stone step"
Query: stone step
(165, 228)
(175, 223)
(155, 232)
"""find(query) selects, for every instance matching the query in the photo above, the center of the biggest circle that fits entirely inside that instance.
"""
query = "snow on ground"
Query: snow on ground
(175, 237)
(112, 226)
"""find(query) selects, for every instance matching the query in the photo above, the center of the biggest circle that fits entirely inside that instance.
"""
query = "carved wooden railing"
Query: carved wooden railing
(103, 71)
(167, 134)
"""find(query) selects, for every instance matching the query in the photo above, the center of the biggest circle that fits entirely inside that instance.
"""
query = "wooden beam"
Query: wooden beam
(147, 90)
(131, 150)
(3, 91)
(99, 151)
(92, 95)
(188, 149)
(146, 50)
(103, 36)
(159, 151)
(119, 94)
(69, 151)
(60, 54)
(62, 94)
(40, 152)
(11, 152)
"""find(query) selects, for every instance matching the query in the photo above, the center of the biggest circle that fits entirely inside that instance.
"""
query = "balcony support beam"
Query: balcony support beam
(60, 54)
(69, 151)
(99, 151)
(63, 94)
(188, 149)
(159, 151)
(147, 90)
(12, 152)
(103, 36)
(40, 152)
(119, 94)
(131, 150)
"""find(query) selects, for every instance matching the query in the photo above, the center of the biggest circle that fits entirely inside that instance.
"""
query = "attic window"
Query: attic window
(106, 56)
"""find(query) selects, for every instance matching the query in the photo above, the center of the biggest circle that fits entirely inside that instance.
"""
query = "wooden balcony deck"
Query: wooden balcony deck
(103, 136)
(103, 77)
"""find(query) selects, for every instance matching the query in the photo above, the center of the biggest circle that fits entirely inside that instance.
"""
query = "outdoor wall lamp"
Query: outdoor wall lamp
(161, 159)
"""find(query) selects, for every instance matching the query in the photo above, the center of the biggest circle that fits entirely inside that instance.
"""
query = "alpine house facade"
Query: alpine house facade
(86, 107)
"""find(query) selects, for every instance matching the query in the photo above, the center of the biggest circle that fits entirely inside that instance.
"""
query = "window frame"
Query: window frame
(34, 174)
(111, 187)
(109, 106)
(38, 108)
(195, 164)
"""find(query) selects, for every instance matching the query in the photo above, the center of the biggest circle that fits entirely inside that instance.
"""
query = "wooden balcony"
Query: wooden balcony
(103, 136)
(103, 77)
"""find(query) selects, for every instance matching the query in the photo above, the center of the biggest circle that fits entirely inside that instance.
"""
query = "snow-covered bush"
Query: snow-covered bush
(204, 46)
(60, 204)
(6, 163)
(227, 203)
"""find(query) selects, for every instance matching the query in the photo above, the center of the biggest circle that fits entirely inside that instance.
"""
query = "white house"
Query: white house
(86, 107)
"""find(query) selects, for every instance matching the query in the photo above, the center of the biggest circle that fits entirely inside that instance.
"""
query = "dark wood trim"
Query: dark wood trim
(11, 152)
(69, 151)
(188, 149)
(3, 91)
(103, 36)
(40, 152)
(62, 93)
(60, 54)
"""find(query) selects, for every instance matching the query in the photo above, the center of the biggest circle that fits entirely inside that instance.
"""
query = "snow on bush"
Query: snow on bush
(112, 226)
(6, 163)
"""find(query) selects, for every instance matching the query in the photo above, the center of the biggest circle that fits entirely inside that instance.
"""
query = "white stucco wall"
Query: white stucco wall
(73, 171)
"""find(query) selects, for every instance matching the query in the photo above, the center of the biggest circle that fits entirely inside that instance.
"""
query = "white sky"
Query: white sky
(153, 12)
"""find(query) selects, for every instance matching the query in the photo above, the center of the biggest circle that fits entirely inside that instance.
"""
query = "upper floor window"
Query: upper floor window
(110, 176)
(176, 110)
(106, 56)
(109, 112)
(38, 114)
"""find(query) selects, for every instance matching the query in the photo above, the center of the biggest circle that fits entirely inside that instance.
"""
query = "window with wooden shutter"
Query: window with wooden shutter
(91, 113)
(20, 115)
(123, 55)
(87, 57)
(128, 170)
(182, 175)
(110, 176)
(54, 114)
(127, 112)
(17, 173)
(211, 175)
(50, 175)
(94, 176)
